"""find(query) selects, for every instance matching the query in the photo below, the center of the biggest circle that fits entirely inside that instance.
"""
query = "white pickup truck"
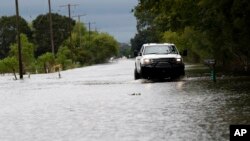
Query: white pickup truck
(159, 61)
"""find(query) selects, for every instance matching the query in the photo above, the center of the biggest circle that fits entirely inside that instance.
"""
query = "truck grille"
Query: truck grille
(163, 60)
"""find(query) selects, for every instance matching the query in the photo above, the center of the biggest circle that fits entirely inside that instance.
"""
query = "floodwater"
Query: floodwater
(104, 103)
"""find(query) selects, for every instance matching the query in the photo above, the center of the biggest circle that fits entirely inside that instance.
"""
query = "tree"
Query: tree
(46, 61)
(61, 32)
(8, 33)
(125, 50)
(2, 67)
(144, 36)
(63, 56)
(95, 47)
(226, 24)
(79, 31)
(28, 50)
(78, 44)
(104, 47)
(208, 28)
(9, 64)
(166, 15)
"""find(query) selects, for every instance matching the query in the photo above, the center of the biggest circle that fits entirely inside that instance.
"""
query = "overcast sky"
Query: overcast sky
(112, 16)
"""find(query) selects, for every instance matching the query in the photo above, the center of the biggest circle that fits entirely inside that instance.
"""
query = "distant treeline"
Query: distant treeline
(83, 47)
(207, 28)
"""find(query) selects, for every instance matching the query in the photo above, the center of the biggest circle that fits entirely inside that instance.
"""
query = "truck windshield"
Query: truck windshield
(160, 49)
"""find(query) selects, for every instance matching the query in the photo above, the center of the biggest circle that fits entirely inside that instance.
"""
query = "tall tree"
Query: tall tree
(42, 34)
(8, 33)
(8, 65)
(144, 36)
(212, 28)
(28, 50)
(103, 47)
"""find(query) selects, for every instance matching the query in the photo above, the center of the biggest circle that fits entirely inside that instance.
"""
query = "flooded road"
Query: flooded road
(104, 103)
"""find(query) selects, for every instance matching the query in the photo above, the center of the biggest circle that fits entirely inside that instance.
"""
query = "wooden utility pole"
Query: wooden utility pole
(51, 30)
(69, 12)
(79, 28)
(19, 42)
(89, 24)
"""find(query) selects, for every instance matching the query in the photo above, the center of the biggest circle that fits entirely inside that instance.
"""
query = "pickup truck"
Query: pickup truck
(159, 61)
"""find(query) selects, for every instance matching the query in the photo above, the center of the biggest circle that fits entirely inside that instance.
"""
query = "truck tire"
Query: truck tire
(136, 75)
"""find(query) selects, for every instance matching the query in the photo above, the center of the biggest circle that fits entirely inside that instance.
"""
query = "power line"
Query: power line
(69, 12)
(89, 25)
(79, 28)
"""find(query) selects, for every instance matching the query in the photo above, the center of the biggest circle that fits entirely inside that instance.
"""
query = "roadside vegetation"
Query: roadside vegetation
(206, 28)
(82, 48)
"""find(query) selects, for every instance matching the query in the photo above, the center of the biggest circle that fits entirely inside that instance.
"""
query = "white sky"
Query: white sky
(112, 16)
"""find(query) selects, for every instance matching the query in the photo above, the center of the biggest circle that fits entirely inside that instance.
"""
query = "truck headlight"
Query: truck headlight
(147, 61)
(178, 60)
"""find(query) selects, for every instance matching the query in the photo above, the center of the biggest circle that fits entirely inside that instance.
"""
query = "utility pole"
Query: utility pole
(89, 24)
(79, 27)
(51, 30)
(69, 12)
(19, 42)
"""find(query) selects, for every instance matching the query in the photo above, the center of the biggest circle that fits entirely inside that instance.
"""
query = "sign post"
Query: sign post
(211, 64)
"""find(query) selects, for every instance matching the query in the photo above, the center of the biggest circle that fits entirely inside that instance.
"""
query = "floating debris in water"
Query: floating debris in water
(135, 94)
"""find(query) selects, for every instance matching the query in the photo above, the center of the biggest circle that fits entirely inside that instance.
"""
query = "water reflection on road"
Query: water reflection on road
(103, 102)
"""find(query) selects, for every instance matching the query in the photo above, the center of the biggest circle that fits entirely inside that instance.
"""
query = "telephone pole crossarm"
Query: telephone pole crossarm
(69, 13)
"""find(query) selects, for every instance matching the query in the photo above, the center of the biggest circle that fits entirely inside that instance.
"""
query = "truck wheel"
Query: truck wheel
(136, 75)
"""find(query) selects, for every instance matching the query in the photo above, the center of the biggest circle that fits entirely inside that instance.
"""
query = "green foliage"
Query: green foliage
(82, 48)
(84, 56)
(28, 50)
(8, 33)
(104, 47)
(192, 40)
(95, 47)
(208, 28)
(9, 64)
(61, 32)
(63, 57)
(46, 62)
(2, 67)
(79, 35)
(78, 45)
(125, 50)
(226, 25)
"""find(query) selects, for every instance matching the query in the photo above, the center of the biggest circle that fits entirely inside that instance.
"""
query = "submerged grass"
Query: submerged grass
(200, 70)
